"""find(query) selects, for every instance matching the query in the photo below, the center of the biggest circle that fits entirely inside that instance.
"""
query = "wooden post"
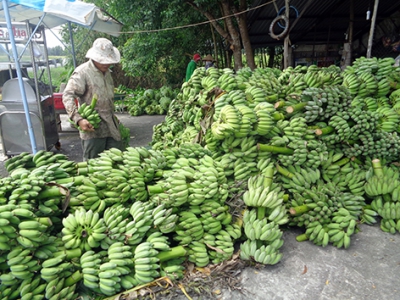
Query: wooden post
(349, 55)
(371, 31)
(286, 41)
(214, 42)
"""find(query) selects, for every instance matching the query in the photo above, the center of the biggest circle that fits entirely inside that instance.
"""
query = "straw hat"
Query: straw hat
(208, 58)
(104, 52)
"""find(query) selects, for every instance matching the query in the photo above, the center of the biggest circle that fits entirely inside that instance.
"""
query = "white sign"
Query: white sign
(19, 31)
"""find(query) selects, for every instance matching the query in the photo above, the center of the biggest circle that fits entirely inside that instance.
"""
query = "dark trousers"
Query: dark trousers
(93, 147)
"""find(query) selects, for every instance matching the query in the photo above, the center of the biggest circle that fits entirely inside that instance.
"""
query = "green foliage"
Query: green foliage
(58, 75)
(158, 56)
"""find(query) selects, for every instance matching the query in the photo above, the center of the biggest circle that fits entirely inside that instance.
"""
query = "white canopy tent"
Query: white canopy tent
(50, 14)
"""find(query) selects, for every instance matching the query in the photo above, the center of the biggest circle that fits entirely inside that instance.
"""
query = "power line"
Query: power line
(198, 24)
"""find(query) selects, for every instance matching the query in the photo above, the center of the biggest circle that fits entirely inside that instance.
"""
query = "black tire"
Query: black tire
(285, 30)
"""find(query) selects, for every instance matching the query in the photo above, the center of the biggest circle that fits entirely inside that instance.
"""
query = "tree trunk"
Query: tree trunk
(271, 53)
(231, 35)
(236, 45)
(242, 22)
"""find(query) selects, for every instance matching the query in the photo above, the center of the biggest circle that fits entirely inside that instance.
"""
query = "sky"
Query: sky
(51, 40)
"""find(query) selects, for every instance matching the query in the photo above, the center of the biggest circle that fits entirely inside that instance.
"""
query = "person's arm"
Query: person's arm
(74, 89)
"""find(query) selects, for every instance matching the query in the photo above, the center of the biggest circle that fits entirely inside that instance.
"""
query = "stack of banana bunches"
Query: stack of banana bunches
(240, 157)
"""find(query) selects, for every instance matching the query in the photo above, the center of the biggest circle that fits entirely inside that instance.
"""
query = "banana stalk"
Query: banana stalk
(274, 149)
(285, 172)
(73, 279)
(70, 253)
(175, 252)
(51, 192)
(94, 101)
(324, 131)
(302, 238)
(298, 210)
(77, 180)
(296, 107)
(155, 189)
(377, 166)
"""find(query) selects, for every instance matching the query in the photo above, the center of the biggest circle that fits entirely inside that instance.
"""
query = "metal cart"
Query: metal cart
(13, 124)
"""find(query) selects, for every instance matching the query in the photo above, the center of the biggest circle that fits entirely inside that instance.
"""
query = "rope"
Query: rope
(196, 24)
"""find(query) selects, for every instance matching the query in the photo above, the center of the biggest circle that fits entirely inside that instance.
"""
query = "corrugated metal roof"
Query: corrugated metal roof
(315, 21)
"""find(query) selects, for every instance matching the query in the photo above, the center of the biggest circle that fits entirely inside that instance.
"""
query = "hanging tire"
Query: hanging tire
(285, 30)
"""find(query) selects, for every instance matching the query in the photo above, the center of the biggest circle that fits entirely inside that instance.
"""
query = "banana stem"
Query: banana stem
(279, 104)
(94, 101)
(296, 107)
(377, 166)
(274, 149)
(297, 210)
(175, 252)
(70, 253)
(76, 179)
(283, 171)
(324, 131)
(73, 279)
(83, 171)
(82, 164)
(51, 192)
(302, 238)
(155, 189)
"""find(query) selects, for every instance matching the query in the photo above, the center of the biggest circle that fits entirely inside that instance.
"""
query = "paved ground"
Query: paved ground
(368, 270)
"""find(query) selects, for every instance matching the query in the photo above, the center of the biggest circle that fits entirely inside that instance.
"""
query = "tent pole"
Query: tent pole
(71, 38)
(371, 31)
(19, 74)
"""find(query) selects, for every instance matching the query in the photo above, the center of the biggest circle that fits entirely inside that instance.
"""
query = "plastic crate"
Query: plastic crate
(58, 104)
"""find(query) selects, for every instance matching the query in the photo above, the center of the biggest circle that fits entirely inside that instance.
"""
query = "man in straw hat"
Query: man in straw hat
(94, 78)
(209, 61)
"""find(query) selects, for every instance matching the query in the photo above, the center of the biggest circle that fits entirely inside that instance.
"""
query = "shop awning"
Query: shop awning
(58, 12)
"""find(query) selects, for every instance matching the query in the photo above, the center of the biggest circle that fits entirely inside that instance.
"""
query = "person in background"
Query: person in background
(192, 66)
(90, 78)
(209, 61)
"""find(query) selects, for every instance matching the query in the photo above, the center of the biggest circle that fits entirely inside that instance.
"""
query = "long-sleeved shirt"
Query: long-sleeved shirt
(85, 81)
(190, 69)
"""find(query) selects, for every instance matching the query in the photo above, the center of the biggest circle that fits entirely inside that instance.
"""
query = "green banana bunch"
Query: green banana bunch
(268, 255)
(22, 160)
(146, 263)
(173, 269)
(136, 230)
(88, 112)
(90, 262)
(118, 266)
(83, 229)
(189, 228)
(115, 219)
